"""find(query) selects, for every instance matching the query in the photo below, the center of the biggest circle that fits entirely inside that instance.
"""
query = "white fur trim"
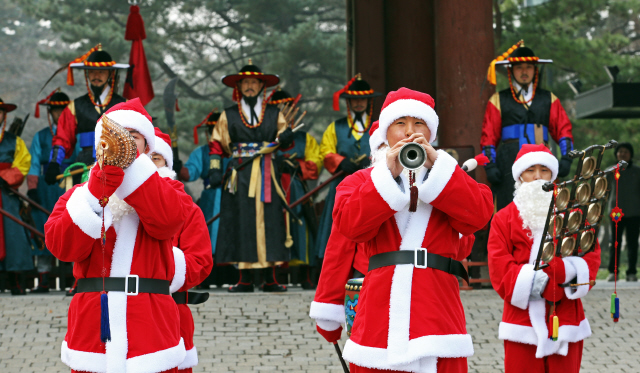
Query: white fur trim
(422, 353)
(398, 343)
(135, 175)
(129, 119)
(181, 270)
(328, 325)
(191, 360)
(388, 188)
(576, 267)
(167, 172)
(532, 159)
(118, 347)
(439, 177)
(83, 361)
(327, 311)
(81, 206)
(164, 149)
(517, 333)
(399, 109)
(158, 361)
(523, 286)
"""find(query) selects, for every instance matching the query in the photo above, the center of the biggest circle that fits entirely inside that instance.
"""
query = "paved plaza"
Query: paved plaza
(267, 332)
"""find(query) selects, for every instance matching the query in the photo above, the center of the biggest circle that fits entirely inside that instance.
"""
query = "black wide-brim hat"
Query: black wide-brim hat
(57, 100)
(99, 60)
(7, 107)
(250, 71)
(359, 89)
(280, 96)
(522, 54)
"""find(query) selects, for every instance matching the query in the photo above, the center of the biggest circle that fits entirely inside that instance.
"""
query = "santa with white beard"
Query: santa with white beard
(410, 317)
(529, 296)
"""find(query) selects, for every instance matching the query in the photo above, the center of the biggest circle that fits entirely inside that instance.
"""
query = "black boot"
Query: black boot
(245, 285)
(305, 278)
(18, 286)
(43, 283)
(270, 283)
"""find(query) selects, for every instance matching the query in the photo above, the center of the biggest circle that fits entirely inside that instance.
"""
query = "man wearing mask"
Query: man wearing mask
(522, 114)
(39, 191)
(252, 200)
(78, 121)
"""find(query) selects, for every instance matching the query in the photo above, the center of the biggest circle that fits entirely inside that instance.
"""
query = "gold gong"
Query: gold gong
(562, 199)
(575, 219)
(593, 214)
(558, 223)
(567, 247)
(583, 193)
(547, 252)
(600, 187)
(586, 240)
(588, 167)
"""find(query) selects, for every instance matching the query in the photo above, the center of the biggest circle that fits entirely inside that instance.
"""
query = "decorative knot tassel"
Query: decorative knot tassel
(413, 205)
(616, 314)
(556, 325)
(105, 328)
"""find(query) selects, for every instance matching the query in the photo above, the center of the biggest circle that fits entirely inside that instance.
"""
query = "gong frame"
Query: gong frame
(596, 151)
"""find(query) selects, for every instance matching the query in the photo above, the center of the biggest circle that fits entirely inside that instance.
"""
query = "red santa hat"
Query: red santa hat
(163, 146)
(132, 115)
(403, 103)
(531, 155)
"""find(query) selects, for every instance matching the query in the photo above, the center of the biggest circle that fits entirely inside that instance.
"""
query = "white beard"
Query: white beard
(167, 172)
(119, 208)
(533, 204)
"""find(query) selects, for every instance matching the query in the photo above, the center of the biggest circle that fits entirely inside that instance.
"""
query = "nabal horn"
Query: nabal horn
(412, 156)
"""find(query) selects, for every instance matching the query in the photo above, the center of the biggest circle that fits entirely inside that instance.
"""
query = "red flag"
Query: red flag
(138, 82)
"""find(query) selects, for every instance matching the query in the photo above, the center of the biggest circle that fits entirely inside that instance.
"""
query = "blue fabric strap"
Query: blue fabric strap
(566, 145)
(57, 154)
(86, 139)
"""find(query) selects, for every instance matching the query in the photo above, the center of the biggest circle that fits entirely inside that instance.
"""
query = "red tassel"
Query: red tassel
(195, 129)
(44, 101)
(336, 96)
(135, 25)
(70, 80)
(37, 110)
(413, 204)
(177, 107)
(481, 159)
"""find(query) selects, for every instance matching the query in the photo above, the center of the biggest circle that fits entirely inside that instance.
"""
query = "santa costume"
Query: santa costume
(142, 215)
(529, 295)
(410, 317)
(192, 254)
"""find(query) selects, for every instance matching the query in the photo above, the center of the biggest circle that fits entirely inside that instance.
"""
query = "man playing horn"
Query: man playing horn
(410, 317)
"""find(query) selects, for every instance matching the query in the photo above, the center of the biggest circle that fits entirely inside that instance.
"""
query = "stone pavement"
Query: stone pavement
(258, 332)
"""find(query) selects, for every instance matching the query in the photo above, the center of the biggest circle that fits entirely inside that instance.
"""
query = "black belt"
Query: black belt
(134, 283)
(417, 258)
(191, 298)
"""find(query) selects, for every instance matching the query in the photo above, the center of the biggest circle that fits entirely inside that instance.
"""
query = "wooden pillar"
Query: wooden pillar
(464, 49)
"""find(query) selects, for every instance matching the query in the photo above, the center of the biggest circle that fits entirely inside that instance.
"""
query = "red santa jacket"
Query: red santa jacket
(512, 252)
(194, 261)
(145, 329)
(408, 317)
(340, 258)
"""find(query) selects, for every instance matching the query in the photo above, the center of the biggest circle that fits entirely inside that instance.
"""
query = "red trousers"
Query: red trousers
(445, 365)
(520, 357)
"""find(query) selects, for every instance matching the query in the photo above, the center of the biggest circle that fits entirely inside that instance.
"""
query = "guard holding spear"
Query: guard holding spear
(15, 251)
(252, 199)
